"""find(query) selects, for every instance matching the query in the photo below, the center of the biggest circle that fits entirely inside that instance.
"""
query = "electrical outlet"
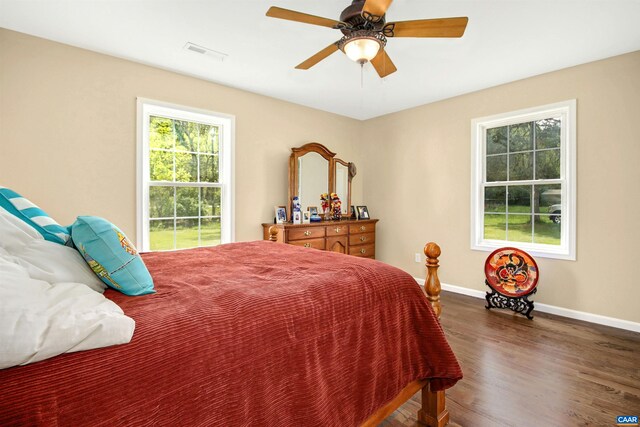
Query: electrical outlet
(418, 257)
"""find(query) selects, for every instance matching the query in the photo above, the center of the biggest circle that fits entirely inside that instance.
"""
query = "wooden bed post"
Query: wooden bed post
(273, 233)
(432, 283)
(434, 412)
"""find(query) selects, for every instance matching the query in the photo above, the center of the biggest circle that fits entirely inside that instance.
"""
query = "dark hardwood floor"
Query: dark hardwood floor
(550, 371)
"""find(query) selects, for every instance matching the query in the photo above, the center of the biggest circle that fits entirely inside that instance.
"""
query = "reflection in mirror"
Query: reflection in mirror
(313, 179)
(342, 186)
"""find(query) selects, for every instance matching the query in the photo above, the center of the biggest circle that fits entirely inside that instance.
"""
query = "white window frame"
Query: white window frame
(566, 110)
(147, 108)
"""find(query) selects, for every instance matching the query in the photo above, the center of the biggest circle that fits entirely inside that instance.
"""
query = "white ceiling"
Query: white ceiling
(505, 40)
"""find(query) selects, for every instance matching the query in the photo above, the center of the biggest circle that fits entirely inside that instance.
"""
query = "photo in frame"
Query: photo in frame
(363, 212)
(352, 213)
(306, 217)
(281, 214)
(313, 210)
(297, 217)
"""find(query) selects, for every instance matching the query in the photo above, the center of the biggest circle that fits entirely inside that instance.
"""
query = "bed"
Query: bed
(255, 333)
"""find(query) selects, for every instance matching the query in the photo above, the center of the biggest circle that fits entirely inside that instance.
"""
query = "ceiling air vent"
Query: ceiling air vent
(218, 56)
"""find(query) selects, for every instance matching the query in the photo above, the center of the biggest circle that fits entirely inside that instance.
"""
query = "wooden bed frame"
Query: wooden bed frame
(433, 412)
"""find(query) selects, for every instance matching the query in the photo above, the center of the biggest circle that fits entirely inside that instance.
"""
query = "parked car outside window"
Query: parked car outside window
(555, 211)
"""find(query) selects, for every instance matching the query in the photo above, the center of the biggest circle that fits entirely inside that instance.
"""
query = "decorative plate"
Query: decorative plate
(511, 272)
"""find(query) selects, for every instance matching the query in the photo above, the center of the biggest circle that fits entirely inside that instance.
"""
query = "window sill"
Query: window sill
(541, 251)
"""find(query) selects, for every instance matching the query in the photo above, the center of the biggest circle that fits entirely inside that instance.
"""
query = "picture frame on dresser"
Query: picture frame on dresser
(352, 213)
(281, 214)
(297, 217)
(313, 210)
(363, 212)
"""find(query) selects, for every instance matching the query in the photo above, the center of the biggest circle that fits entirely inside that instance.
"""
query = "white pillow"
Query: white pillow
(39, 320)
(44, 260)
(15, 233)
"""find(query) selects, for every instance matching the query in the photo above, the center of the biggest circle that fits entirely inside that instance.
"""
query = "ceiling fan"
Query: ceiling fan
(365, 32)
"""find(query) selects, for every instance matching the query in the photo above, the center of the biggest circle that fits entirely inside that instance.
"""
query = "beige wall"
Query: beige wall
(68, 132)
(421, 188)
(67, 141)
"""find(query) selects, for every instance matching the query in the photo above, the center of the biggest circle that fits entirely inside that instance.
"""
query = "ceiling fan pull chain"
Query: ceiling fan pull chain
(362, 75)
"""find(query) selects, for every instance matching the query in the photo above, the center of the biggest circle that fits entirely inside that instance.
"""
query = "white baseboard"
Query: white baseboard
(551, 309)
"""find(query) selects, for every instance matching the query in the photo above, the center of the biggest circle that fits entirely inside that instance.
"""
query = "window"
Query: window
(185, 159)
(523, 181)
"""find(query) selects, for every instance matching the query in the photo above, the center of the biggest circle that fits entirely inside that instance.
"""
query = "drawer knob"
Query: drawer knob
(307, 233)
(337, 229)
(362, 228)
(307, 245)
(363, 238)
(363, 251)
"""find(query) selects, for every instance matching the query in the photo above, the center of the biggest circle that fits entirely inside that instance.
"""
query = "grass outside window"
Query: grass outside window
(186, 235)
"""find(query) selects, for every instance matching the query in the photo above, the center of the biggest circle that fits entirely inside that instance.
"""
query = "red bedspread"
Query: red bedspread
(258, 333)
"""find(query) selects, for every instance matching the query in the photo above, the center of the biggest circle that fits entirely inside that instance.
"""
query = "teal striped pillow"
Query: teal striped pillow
(28, 212)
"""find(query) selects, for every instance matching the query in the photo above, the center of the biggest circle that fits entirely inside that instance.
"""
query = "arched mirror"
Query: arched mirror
(311, 173)
(313, 170)
(313, 178)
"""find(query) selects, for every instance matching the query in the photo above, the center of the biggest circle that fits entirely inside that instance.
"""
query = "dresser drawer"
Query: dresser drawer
(363, 250)
(337, 230)
(359, 239)
(305, 233)
(309, 243)
(337, 244)
(368, 227)
(350, 237)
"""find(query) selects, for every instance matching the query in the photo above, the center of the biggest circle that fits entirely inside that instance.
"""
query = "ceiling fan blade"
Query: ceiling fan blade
(376, 7)
(292, 15)
(444, 27)
(383, 64)
(305, 65)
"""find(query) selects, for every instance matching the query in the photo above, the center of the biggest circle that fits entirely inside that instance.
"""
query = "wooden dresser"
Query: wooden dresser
(347, 236)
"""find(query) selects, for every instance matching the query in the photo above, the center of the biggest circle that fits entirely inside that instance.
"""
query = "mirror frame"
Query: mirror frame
(312, 147)
(349, 177)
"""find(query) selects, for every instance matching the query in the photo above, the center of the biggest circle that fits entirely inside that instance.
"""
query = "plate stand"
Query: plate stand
(520, 304)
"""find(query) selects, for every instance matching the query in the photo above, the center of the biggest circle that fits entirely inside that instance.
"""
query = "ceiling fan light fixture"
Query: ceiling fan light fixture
(362, 50)
(362, 46)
